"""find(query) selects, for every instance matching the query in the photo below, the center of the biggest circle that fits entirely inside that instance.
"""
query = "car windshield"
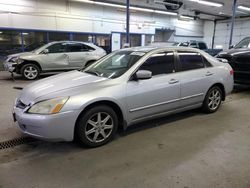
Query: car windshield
(114, 65)
(245, 43)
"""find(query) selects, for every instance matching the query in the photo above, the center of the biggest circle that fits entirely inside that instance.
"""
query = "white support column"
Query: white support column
(143, 40)
(116, 41)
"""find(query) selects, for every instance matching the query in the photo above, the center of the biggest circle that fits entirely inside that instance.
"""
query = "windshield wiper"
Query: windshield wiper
(92, 72)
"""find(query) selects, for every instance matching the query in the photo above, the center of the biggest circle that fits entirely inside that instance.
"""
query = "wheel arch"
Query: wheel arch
(118, 110)
(28, 62)
(221, 86)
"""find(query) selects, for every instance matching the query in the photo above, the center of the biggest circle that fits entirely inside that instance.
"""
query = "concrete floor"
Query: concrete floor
(187, 150)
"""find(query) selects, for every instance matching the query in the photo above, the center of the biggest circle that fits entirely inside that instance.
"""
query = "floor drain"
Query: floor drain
(15, 142)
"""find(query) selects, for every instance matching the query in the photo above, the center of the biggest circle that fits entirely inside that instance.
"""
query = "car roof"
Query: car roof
(147, 49)
(69, 41)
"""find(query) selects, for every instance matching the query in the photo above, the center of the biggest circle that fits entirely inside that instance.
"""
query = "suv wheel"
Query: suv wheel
(97, 126)
(30, 71)
(212, 100)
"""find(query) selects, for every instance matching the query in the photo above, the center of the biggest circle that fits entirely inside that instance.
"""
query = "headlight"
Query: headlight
(13, 59)
(51, 106)
(19, 61)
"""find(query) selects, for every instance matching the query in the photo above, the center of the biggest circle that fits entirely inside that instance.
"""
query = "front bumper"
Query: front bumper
(9, 66)
(55, 127)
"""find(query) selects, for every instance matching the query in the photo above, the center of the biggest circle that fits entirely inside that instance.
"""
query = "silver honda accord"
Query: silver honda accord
(123, 88)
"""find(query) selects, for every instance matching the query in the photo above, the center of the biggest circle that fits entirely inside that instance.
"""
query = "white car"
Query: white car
(53, 57)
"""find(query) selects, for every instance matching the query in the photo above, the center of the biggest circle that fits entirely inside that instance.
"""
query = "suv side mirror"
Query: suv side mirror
(143, 74)
(45, 51)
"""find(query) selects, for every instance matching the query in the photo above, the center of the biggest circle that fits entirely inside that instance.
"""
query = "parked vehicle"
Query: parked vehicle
(199, 45)
(54, 56)
(123, 88)
(239, 58)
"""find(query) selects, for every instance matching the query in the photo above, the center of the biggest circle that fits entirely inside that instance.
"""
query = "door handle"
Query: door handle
(209, 73)
(173, 81)
(66, 56)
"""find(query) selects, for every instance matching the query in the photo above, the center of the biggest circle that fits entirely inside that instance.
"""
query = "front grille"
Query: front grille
(20, 104)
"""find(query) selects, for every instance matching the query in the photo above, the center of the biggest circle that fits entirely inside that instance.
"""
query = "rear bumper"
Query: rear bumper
(56, 127)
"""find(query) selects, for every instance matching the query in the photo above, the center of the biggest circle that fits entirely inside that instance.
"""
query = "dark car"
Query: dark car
(239, 58)
(199, 45)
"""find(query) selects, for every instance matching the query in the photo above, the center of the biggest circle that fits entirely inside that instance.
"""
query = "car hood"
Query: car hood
(233, 52)
(58, 83)
(20, 54)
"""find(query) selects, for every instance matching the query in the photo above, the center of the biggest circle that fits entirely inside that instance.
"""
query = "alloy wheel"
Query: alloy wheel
(214, 99)
(30, 72)
(99, 127)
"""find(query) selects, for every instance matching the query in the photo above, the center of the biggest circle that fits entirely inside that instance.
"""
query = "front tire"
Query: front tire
(212, 100)
(30, 71)
(97, 126)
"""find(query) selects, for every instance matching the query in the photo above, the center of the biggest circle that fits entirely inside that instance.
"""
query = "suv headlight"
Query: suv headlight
(19, 61)
(47, 107)
(13, 59)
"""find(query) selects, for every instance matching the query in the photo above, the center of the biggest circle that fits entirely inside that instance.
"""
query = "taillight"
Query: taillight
(232, 72)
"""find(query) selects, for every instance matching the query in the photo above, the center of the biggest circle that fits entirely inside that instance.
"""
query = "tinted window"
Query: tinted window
(161, 63)
(245, 43)
(88, 48)
(193, 45)
(190, 61)
(76, 47)
(57, 48)
(202, 46)
(79, 47)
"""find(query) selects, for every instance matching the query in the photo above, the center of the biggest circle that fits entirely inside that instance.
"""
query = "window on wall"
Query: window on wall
(10, 42)
(135, 40)
(83, 37)
(103, 41)
(148, 40)
(33, 40)
(58, 36)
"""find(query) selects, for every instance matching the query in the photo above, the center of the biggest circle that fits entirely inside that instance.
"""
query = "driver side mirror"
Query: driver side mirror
(45, 51)
(143, 74)
(231, 46)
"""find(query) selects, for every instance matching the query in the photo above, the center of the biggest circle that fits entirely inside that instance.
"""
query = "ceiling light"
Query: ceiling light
(25, 33)
(208, 3)
(244, 8)
(186, 17)
(142, 9)
(165, 12)
(1, 32)
(124, 7)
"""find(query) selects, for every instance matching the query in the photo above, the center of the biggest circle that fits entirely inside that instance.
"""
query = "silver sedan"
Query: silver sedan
(119, 90)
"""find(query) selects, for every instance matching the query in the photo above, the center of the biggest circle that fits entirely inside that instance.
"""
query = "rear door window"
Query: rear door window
(78, 47)
(190, 60)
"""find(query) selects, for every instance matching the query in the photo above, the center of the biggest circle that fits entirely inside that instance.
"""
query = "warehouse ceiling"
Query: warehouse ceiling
(194, 8)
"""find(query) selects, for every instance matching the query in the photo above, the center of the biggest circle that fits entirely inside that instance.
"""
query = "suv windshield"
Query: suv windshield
(245, 43)
(115, 64)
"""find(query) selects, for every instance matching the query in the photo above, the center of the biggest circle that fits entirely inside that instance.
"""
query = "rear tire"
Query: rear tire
(212, 100)
(96, 127)
(30, 71)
